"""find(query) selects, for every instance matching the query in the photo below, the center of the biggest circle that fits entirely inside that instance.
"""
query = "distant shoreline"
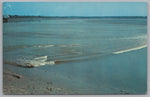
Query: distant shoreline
(7, 17)
(17, 16)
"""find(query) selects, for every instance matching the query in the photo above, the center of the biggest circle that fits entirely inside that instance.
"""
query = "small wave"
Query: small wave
(18, 47)
(32, 64)
(50, 45)
(39, 61)
(128, 50)
(43, 58)
(35, 62)
(42, 45)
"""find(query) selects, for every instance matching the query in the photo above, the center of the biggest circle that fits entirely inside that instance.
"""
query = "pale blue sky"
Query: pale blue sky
(75, 8)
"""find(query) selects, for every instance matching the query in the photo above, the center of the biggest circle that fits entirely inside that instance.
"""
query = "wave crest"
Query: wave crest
(128, 50)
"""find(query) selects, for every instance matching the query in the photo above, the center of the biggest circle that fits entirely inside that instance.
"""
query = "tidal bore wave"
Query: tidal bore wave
(43, 60)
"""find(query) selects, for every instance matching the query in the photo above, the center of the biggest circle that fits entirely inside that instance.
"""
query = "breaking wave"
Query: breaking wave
(44, 60)
(128, 50)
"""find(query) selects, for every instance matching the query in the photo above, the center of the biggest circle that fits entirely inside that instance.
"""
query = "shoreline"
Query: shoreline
(60, 79)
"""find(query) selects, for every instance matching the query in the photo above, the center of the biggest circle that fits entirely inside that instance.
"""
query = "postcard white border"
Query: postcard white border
(148, 34)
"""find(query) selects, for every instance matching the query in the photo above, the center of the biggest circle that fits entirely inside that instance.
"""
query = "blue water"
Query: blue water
(87, 45)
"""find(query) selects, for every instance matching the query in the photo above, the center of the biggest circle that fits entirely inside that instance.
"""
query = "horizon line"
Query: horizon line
(65, 16)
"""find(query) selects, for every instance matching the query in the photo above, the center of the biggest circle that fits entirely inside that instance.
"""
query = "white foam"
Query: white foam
(40, 61)
(43, 46)
(41, 58)
(50, 45)
(37, 64)
(132, 49)
(50, 63)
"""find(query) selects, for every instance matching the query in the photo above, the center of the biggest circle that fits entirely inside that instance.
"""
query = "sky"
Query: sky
(75, 8)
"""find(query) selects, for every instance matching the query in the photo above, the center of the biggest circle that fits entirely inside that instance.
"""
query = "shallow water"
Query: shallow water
(89, 46)
(71, 38)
